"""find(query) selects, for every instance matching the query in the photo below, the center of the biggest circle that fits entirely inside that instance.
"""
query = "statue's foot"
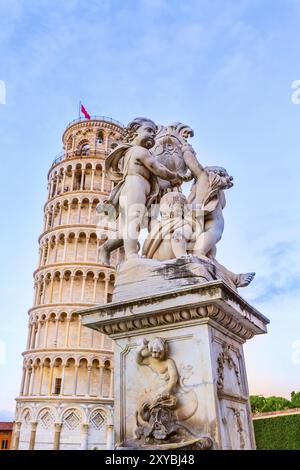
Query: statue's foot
(243, 280)
(104, 256)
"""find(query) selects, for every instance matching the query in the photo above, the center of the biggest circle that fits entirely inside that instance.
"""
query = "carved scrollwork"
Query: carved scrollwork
(225, 358)
(127, 323)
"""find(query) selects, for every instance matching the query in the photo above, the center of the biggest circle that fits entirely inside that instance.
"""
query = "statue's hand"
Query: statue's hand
(177, 181)
(188, 177)
(142, 344)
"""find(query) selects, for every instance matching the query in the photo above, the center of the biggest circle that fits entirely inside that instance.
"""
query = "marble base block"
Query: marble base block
(187, 389)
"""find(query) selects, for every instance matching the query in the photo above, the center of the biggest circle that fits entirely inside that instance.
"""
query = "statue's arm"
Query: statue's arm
(143, 353)
(158, 169)
(191, 161)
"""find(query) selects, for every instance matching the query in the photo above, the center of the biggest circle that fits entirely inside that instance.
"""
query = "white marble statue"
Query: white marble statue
(149, 167)
(135, 170)
(176, 235)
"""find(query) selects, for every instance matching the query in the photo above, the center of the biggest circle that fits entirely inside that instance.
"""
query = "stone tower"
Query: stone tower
(66, 397)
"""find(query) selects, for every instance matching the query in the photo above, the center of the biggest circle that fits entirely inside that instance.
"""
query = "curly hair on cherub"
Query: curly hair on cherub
(132, 127)
(158, 344)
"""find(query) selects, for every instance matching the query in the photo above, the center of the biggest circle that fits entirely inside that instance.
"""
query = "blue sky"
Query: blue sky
(223, 67)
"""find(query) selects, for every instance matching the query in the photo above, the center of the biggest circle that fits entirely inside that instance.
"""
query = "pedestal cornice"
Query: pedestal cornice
(212, 302)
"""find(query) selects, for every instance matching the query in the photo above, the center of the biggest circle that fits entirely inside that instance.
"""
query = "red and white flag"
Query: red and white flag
(84, 112)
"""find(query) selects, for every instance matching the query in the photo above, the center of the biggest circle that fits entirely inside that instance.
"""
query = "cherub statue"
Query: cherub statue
(153, 353)
(177, 233)
(208, 201)
(162, 412)
(155, 415)
(173, 235)
(137, 186)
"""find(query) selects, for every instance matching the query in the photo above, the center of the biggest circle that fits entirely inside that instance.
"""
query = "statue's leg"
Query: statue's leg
(212, 234)
(179, 240)
(178, 243)
(239, 280)
(205, 243)
(133, 207)
(107, 248)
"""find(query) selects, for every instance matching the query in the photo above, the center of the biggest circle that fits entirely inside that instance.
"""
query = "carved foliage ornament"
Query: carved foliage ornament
(225, 358)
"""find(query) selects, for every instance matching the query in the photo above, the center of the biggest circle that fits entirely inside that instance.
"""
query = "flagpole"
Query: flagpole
(79, 109)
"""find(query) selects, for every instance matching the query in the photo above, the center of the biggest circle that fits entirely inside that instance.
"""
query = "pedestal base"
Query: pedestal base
(187, 388)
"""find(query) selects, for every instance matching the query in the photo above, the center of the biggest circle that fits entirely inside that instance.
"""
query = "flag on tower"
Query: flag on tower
(84, 111)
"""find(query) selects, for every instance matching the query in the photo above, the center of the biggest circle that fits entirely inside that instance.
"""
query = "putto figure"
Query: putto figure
(160, 417)
(135, 170)
(148, 168)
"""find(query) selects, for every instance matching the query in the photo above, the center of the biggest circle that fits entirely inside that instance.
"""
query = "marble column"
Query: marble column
(17, 430)
(57, 431)
(84, 442)
(32, 435)
(109, 437)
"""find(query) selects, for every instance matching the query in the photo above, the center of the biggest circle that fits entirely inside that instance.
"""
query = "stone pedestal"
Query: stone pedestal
(203, 328)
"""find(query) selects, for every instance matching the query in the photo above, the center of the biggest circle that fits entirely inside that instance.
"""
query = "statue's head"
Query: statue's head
(141, 131)
(172, 204)
(158, 348)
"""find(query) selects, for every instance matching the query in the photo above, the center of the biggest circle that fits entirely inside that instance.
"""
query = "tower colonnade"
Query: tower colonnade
(66, 392)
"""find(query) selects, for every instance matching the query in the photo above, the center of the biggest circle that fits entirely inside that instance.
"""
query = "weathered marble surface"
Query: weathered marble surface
(148, 169)
(142, 277)
(204, 327)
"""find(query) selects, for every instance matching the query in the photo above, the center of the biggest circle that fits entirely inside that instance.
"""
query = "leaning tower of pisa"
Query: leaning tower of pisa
(65, 400)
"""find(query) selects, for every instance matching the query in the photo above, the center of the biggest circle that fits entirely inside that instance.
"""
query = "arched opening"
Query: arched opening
(92, 248)
(100, 137)
(60, 247)
(85, 150)
(82, 383)
(68, 179)
(88, 176)
(89, 287)
(57, 377)
(51, 330)
(47, 289)
(84, 212)
(64, 212)
(46, 377)
(74, 331)
(42, 334)
(77, 178)
(106, 378)
(62, 330)
(95, 379)
(70, 250)
(98, 178)
(70, 377)
(70, 143)
(56, 288)
(74, 211)
(81, 247)
(66, 291)
(77, 287)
